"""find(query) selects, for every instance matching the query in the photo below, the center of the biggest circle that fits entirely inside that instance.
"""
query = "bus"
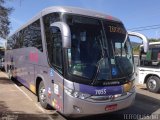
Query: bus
(78, 61)
(149, 67)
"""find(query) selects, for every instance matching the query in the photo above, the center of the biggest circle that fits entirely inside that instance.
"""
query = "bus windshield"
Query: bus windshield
(100, 49)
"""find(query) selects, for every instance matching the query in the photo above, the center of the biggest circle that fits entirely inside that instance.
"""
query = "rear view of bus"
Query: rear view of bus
(85, 65)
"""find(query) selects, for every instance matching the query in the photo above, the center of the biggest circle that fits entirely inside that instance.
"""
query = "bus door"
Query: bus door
(55, 55)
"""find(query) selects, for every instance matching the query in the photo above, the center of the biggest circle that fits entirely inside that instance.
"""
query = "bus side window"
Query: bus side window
(9, 44)
(56, 60)
(33, 35)
(47, 21)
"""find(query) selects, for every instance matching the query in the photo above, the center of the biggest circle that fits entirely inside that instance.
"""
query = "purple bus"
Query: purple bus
(78, 61)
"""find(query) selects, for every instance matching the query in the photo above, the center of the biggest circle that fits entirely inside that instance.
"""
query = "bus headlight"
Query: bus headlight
(129, 86)
(76, 94)
(84, 95)
(68, 91)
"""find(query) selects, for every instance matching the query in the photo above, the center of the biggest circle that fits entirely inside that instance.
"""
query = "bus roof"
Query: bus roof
(68, 9)
(76, 10)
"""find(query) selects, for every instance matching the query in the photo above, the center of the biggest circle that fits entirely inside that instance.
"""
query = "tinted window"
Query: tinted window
(9, 43)
(55, 49)
(85, 49)
(151, 58)
(12, 42)
(53, 40)
(48, 20)
(33, 36)
(27, 37)
(18, 38)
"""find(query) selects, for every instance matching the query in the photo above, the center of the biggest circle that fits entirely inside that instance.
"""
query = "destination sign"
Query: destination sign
(115, 29)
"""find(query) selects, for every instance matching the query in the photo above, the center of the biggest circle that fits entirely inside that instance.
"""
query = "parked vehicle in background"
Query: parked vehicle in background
(148, 69)
(2, 59)
(2, 64)
(76, 60)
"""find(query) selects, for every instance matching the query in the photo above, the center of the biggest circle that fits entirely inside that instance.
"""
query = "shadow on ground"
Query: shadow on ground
(144, 106)
(4, 80)
(7, 114)
(16, 116)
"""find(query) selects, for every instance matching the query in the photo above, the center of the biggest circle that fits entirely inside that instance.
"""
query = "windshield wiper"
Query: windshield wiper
(100, 61)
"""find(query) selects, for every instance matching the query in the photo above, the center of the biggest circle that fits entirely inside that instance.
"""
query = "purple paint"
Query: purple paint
(33, 57)
(22, 81)
(101, 91)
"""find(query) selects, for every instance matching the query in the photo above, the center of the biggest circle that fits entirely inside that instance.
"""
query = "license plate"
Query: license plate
(111, 107)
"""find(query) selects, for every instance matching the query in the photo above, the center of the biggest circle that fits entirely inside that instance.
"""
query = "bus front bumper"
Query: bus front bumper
(77, 107)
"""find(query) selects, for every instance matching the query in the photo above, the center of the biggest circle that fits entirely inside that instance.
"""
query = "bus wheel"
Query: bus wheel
(153, 84)
(42, 95)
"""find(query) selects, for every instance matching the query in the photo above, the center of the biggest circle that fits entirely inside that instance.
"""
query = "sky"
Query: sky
(2, 42)
(133, 13)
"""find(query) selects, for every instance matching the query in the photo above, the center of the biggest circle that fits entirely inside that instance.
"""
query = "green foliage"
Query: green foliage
(154, 40)
(4, 20)
(136, 49)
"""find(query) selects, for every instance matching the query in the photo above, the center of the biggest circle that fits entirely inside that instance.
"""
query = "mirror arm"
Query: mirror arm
(144, 39)
(66, 34)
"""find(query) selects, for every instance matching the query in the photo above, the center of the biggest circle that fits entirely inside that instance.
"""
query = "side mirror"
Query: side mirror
(65, 32)
(144, 39)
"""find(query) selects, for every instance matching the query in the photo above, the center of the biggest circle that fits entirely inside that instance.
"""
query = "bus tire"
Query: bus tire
(42, 95)
(153, 84)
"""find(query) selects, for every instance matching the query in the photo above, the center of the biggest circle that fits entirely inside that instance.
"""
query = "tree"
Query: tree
(154, 40)
(4, 19)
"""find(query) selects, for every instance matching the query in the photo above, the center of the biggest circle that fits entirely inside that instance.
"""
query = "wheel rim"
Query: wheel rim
(42, 94)
(152, 84)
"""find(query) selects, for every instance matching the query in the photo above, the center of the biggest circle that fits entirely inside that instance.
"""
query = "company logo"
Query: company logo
(111, 83)
(110, 97)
